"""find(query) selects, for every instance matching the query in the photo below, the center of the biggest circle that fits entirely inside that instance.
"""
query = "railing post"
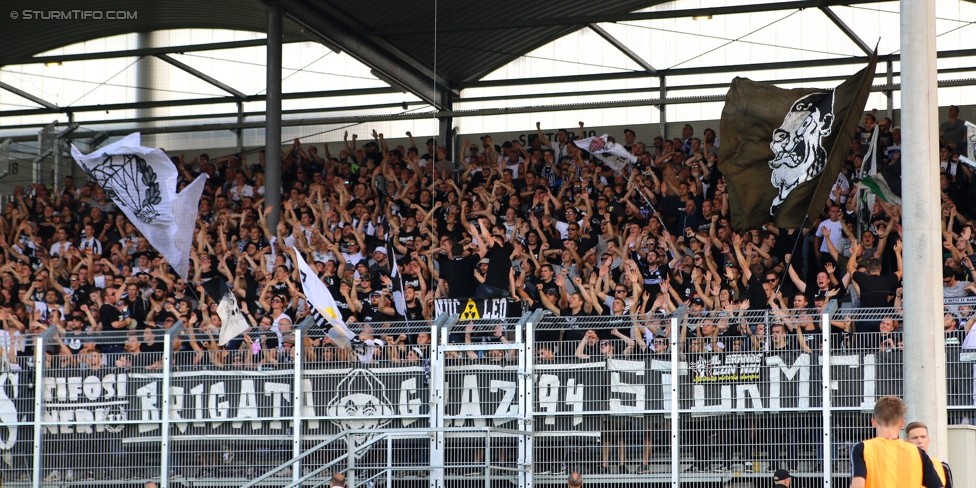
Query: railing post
(675, 395)
(350, 461)
(297, 397)
(524, 334)
(167, 399)
(438, 339)
(39, 343)
(825, 393)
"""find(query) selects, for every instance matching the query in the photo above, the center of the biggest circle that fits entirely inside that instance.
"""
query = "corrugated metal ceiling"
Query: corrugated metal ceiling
(460, 56)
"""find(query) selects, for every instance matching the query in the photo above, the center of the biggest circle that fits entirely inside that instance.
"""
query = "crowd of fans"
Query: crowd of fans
(543, 223)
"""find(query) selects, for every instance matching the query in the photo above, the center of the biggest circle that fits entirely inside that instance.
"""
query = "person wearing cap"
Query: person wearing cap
(782, 478)
(380, 308)
(886, 460)
(917, 433)
(381, 265)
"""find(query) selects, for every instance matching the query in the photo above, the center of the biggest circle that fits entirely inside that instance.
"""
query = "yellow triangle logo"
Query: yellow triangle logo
(470, 311)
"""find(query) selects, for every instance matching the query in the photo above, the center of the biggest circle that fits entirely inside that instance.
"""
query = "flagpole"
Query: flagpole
(393, 269)
(648, 201)
(925, 385)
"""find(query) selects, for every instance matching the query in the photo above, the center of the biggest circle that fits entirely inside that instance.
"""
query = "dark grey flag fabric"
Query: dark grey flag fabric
(782, 149)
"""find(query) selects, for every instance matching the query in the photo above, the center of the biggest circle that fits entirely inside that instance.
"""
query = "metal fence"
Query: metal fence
(703, 399)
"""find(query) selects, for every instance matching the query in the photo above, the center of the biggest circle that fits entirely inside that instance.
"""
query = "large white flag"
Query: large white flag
(318, 296)
(142, 182)
(614, 155)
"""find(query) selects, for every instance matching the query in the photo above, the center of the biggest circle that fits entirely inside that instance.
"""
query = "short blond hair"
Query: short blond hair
(890, 410)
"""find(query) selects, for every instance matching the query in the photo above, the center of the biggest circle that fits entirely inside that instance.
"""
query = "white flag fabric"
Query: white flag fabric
(970, 157)
(232, 322)
(142, 182)
(318, 296)
(614, 155)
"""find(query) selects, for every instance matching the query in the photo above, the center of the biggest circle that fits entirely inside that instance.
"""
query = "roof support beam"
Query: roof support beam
(627, 17)
(22, 93)
(131, 53)
(345, 32)
(623, 48)
(361, 119)
(201, 75)
(738, 68)
(847, 30)
(195, 101)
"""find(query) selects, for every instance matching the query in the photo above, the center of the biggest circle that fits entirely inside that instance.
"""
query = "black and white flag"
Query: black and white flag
(614, 155)
(970, 146)
(142, 182)
(318, 296)
(232, 321)
(398, 301)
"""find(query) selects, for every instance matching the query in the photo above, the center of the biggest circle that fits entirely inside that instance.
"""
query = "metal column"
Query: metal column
(446, 129)
(167, 396)
(439, 330)
(39, 390)
(925, 385)
(663, 92)
(676, 319)
(825, 390)
(890, 93)
(527, 402)
(272, 131)
(240, 132)
(297, 397)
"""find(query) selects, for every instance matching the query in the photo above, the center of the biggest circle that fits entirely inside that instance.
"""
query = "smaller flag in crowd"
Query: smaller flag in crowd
(614, 155)
(321, 299)
(232, 321)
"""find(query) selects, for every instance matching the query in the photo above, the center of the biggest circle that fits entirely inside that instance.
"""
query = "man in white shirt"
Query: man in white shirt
(61, 244)
(833, 225)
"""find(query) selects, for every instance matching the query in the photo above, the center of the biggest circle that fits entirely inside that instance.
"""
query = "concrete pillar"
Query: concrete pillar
(272, 131)
(890, 92)
(445, 131)
(925, 385)
(146, 81)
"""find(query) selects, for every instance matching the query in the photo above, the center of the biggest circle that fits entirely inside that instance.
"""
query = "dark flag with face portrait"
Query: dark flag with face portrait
(782, 149)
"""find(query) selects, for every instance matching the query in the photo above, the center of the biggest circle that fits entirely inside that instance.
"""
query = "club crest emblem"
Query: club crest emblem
(360, 403)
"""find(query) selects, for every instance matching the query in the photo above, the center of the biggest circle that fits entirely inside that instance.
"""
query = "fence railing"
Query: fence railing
(690, 398)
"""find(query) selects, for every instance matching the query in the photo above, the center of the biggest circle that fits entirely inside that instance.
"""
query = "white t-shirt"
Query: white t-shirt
(59, 248)
(844, 185)
(237, 193)
(836, 234)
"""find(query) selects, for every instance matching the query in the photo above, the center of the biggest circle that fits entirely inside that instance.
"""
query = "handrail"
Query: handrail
(374, 440)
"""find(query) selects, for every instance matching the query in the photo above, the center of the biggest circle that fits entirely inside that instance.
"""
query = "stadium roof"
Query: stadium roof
(435, 49)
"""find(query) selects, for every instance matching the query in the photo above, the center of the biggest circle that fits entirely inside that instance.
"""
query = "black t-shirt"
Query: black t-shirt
(875, 289)
(499, 265)
(758, 300)
(459, 275)
(574, 329)
(108, 314)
